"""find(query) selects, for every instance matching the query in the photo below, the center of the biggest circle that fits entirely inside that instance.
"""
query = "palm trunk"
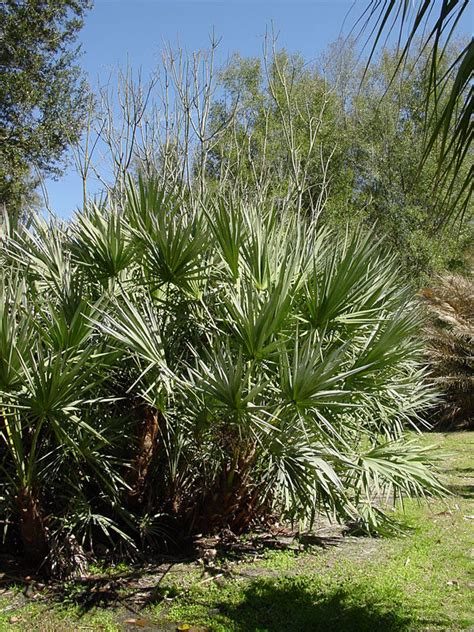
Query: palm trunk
(148, 430)
(234, 503)
(32, 526)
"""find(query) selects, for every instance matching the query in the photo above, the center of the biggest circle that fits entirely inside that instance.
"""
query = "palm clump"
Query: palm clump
(168, 370)
(450, 343)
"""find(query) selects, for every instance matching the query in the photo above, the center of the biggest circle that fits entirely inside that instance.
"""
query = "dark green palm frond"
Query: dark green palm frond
(350, 285)
(314, 376)
(135, 329)
(16, 330)
(396, 468)
(255, 318)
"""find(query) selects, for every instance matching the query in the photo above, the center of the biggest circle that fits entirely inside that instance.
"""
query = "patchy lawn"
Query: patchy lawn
(419, 581)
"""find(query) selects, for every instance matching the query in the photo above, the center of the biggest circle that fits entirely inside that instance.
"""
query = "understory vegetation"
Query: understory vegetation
(169, 369)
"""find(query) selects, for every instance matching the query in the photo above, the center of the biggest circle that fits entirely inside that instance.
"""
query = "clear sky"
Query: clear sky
(135, 31)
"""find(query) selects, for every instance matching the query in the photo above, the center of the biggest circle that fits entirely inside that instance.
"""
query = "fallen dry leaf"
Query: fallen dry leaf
(140, 622)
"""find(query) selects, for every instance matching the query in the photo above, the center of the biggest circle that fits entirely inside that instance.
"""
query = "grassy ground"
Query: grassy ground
(419, 581)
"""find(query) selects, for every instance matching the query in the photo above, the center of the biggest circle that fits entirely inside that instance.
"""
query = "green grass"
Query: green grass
(418, 581)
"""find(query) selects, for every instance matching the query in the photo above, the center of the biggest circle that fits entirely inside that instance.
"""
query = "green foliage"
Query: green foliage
(447, 99)
(42, 93)
(394, 181)
(200, 377)
(347, 147)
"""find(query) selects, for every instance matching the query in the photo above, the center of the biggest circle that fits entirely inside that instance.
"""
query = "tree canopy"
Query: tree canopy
(449, 122)
(346, 145)
(42, 90)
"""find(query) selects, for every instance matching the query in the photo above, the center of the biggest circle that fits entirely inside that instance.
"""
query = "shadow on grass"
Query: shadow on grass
(120, 590)
(128, 589)
(294, 605)
(464, 491)
(461, 470)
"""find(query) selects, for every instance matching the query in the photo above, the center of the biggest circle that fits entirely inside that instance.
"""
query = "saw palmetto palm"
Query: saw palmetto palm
(204, 368)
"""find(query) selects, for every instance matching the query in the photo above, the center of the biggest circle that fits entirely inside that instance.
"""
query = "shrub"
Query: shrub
(168, 370)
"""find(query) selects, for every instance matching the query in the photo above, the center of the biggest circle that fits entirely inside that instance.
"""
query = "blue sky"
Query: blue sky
(118, 32)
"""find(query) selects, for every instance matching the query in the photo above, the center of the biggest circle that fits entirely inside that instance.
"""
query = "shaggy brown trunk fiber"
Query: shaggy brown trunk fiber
(449, 343)
(32, 527)
(147, 433)
(235, 503)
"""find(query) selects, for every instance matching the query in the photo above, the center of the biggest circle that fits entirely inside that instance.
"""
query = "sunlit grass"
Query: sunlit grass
(416, 581)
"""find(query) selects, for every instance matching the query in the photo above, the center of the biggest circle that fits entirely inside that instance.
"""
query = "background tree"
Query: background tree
(329, 140)
(345, 145)
(285, 140)
(392, 177)
(42, 91)
(449, 123)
